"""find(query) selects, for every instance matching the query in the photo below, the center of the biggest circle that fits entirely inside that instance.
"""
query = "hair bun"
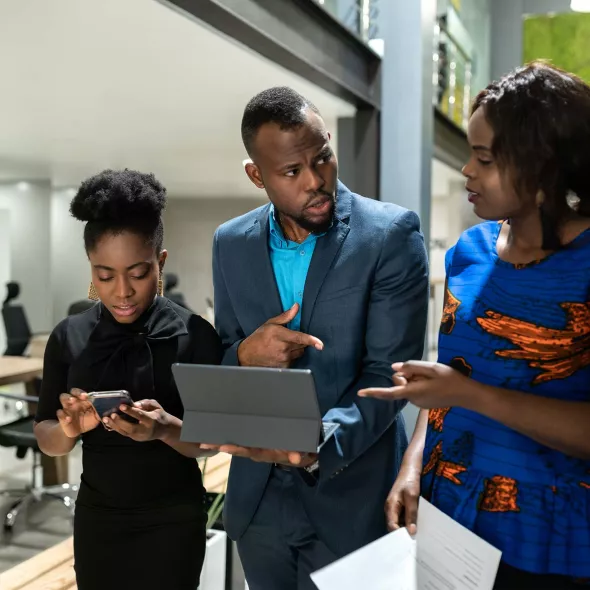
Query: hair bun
(119, 197)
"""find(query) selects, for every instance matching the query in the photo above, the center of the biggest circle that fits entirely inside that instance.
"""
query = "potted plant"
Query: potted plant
(214, 569)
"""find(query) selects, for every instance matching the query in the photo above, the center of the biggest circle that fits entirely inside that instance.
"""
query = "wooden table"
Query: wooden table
(216, 472)
(19, 369)
(52, 569)
(37, 346)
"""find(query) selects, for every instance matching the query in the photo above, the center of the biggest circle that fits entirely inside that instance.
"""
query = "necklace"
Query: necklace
(297, 241)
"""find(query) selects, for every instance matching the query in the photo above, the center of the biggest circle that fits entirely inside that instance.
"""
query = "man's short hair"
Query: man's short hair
(280, 105)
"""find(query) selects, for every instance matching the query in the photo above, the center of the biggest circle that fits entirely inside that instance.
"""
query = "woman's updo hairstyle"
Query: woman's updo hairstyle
(117, 201)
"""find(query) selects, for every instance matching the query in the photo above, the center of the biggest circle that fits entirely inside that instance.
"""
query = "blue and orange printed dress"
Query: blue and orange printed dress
(525, 328)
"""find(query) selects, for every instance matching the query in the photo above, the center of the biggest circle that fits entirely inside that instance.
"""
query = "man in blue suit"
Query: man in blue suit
(320, 279)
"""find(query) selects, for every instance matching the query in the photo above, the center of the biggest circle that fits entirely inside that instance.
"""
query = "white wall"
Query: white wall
(189, 225)
(47, 253)
(451, 215)
(30, 249)
(70, 274)
(4, 265)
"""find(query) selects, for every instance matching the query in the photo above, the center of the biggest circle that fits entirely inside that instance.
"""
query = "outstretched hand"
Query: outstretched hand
(427, 385)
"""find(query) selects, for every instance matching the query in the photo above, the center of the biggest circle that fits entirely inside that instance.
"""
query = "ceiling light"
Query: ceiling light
(23, 186)
(580, 5)
(378, 46)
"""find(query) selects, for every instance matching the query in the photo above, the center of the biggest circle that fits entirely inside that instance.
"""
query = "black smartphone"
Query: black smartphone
(107, 402)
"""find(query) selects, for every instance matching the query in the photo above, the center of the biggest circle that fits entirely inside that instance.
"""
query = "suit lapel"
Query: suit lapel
(260, 271)
(326, 250)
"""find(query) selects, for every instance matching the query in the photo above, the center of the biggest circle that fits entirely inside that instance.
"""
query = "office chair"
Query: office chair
(81, 306)
(18, 332)
(19, 434)
(170, 283)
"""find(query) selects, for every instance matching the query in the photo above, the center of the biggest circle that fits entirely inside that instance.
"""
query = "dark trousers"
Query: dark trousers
(510, 578)
(280, 549)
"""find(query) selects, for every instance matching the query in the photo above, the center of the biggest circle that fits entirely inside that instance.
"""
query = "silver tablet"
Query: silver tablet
(251, 407)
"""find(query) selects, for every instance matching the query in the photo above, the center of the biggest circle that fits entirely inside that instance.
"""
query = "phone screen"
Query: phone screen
(107, 402)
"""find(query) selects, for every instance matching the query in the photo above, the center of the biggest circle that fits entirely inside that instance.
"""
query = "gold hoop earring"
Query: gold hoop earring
(160, 287)
(92, 293)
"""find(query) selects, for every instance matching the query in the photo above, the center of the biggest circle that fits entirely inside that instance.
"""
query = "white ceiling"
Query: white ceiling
(90, 84)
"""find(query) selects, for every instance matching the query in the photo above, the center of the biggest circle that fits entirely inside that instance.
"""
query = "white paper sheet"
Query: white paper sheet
(443, 556)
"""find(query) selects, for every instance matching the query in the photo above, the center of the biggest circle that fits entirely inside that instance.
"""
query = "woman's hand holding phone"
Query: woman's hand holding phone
(151, 421)
(78, 415)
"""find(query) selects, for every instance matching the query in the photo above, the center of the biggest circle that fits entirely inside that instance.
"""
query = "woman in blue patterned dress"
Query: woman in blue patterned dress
(505, 447)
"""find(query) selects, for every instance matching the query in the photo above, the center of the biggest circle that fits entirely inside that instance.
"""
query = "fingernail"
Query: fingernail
(122, 407)
(105, 420)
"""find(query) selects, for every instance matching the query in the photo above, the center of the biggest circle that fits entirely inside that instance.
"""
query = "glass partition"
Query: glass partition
(453, 69)
(359, 16)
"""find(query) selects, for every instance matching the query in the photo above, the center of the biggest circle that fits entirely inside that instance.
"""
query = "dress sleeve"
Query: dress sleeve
(55, 375)
(206, 343)
(449, 260)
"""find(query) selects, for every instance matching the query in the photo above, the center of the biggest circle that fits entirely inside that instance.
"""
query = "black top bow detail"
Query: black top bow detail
(121, 357)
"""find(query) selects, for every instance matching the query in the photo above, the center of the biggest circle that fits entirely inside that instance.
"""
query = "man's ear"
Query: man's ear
(253, 173)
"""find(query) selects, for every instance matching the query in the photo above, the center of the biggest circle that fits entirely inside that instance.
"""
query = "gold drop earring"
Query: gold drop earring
(92, 293)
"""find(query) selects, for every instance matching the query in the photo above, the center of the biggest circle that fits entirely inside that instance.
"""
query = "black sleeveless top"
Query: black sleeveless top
(94, 352)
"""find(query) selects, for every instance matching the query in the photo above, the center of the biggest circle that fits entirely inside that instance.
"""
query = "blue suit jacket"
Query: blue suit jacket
(366, 298)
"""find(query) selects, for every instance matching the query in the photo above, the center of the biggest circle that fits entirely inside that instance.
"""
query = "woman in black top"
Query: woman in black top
(140, 520)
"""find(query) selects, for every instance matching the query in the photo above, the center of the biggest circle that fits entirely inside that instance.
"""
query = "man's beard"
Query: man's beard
(317, 227)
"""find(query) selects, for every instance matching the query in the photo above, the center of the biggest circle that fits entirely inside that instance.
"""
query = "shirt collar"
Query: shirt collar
(277, 233)
(275, 228)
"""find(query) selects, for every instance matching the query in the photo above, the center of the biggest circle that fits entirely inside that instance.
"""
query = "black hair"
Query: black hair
(115, 201)
(280, 105)
(540, 116)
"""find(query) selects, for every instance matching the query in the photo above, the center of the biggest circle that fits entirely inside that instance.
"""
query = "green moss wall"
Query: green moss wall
(564, 39)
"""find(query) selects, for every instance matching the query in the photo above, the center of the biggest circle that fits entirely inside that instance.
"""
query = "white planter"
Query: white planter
(213, 574)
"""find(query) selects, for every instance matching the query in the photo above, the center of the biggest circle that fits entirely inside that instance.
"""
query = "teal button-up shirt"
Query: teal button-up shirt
(290, 262)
